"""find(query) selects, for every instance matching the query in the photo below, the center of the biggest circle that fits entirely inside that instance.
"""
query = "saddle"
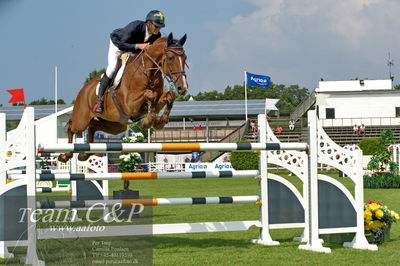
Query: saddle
(119, 71)
(116, 79)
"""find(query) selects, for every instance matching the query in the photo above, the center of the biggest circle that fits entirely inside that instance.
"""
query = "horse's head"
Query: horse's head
(173, 63)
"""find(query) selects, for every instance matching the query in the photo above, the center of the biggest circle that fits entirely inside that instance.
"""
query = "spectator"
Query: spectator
(253, 126)
(362, 129)
(355, 130)
(187, 160)
(291, 124)
(195, 157)
(278, 129)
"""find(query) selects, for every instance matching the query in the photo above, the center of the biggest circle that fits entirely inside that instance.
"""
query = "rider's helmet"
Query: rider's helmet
(156, 17)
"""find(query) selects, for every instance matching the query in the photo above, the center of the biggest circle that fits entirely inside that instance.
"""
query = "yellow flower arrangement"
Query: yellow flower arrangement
(377, 218)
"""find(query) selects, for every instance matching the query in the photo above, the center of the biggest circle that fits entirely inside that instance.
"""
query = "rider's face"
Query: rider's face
(153, 29)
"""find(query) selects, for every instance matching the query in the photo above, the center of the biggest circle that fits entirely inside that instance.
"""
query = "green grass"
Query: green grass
(235, 248)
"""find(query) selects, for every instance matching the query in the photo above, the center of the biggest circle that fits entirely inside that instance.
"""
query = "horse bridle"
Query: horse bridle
(179, 52)
(176, 50)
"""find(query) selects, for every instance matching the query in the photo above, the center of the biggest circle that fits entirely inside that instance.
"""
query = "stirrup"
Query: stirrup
(98, 107)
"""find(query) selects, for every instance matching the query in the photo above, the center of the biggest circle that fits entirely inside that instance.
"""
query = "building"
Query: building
(361, 101)
(184, 115)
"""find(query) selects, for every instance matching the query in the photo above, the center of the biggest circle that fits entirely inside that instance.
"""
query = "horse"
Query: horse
(139, 93)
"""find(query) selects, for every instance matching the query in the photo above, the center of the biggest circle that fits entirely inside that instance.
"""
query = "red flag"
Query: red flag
(17, 96)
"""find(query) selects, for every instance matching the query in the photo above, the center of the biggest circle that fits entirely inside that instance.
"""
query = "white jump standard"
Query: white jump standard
(322, 206)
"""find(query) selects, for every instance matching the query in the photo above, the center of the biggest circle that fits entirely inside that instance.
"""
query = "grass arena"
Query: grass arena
(196, 201)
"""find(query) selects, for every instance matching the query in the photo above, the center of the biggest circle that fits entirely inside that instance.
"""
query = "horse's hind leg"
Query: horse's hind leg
(105, 126)
(166, 99)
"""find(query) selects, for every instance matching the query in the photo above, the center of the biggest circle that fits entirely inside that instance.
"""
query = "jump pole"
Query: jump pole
(264, 238)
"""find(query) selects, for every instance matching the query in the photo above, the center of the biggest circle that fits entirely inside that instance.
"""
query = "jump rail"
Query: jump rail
(140, 175)
(147, 202)
(156, 147)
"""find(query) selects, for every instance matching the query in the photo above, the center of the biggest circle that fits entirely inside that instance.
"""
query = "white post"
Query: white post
(207, 131)
(359, 241)
(3, 134)
(314, 243)
(245, 94)
(264, 238)
(265, 107)
(55, 102)
(31, 256)
(3, 175)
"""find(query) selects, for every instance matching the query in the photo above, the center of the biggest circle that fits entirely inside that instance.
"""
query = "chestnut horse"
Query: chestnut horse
(139, 93)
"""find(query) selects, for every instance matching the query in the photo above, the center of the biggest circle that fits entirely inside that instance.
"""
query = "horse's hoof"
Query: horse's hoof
(64, 157)
(84, 156)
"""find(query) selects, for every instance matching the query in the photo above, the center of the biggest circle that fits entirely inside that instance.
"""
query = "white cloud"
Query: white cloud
(311, 37)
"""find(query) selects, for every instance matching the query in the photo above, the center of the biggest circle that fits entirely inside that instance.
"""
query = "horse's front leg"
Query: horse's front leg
(150, 98)
(65, 157)
(91, 130)
(166, 99)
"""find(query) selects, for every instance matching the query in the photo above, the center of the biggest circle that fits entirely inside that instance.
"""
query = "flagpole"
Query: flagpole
(55, 102)
(245, 94)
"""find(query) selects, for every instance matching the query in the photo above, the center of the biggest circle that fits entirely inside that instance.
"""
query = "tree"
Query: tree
(290, 97)
(382, 158)
(183, 98)
(94, 74)
(397, 87)
(43, 101)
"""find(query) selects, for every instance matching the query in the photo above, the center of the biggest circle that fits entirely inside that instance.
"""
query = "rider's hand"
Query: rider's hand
(142, 46)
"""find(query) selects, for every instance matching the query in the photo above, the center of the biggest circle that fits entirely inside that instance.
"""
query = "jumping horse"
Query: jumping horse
(139, 94)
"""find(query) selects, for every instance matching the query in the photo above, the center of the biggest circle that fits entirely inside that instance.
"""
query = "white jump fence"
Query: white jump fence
(324, 206)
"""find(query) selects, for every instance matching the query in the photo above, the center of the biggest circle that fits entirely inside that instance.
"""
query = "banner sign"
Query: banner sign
(257, 80)
(190, 167)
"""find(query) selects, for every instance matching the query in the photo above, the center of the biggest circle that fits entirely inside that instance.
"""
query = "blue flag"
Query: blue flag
(257, 80)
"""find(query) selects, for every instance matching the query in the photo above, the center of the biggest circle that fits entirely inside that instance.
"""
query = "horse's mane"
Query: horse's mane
(163, 41)
(160, 41)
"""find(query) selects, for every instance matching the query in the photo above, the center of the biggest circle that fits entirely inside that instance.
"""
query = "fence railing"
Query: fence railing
(303, 107)
(234, 136)
(367, 121)
(199, 134)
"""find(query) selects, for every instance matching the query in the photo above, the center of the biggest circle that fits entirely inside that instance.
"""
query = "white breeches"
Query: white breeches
(113, 55)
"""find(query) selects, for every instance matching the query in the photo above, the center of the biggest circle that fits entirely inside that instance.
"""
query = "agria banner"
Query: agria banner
(190, 167)
(257, 80)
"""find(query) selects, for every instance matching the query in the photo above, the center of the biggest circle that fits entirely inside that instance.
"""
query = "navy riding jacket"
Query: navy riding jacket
(126, 38)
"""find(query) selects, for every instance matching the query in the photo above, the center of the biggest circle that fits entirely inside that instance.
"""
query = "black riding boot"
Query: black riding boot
(104, 83)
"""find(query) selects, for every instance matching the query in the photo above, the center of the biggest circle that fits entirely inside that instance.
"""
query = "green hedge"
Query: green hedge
(369, 146)
(382, 181)
(244, 160)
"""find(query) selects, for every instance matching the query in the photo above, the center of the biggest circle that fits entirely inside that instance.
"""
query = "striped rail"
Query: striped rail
(155, 147)
(39, 171)
(141, 175)
(147, 202)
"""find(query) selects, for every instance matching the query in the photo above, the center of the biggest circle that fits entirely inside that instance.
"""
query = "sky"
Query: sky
(292, 41)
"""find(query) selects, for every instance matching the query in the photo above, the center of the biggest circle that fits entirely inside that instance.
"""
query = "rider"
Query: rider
(135, 37)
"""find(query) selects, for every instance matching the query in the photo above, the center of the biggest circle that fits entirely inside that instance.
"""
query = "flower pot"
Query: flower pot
(378, 236)
(125, 212)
